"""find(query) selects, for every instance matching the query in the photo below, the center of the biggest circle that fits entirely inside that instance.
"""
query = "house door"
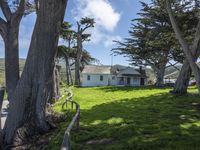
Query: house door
(128, 81)
(142, 81)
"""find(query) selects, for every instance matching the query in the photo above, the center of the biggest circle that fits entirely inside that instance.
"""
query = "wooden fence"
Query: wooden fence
(66, 139)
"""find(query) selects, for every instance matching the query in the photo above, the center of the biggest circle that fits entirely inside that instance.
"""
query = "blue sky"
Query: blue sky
(112, 18)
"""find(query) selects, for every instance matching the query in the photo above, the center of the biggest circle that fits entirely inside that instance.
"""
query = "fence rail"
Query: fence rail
(66, 139)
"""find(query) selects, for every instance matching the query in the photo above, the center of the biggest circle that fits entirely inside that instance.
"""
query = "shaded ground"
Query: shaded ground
(134, 118)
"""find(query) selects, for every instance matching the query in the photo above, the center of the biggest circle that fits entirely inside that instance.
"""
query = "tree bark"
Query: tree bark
(11, 59)
(183, 79)
(34, 87)
(2, 92)
(9, 31)
(70, 75)
(78, 56)
(160, 76)
(67, 69)
(55, 85)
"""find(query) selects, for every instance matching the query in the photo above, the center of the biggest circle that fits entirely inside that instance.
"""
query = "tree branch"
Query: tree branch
(197, 37)
(175, 25)
(172, 65)
(86, 27)
(36, 5)
(20, 11)
(5, 9)
(2, 28)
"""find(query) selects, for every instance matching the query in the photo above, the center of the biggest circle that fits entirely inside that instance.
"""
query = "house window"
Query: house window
(101, 78)
(113, 77)
(88, 77)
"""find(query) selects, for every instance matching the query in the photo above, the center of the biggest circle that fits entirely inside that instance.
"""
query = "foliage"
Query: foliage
(70, 53)
(134, 118)
(151, 37)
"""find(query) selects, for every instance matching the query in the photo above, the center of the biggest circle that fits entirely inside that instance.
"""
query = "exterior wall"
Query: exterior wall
(109, 80)
(94, 80)
(113, 80)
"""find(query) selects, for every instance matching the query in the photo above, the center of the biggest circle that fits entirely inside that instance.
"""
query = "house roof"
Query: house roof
(129, 71)
(116, 70)
(93, 69)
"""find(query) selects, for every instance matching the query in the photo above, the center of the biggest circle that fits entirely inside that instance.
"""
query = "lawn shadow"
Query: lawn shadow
(156, 122)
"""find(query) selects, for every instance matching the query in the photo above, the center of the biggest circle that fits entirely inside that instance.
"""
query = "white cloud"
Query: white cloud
(106, 18)
(101, 10)
(109, 40)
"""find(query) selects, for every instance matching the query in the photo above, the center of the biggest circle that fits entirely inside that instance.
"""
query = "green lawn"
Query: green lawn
(134, 119)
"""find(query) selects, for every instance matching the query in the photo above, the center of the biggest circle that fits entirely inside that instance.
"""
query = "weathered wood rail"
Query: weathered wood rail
(66, 139)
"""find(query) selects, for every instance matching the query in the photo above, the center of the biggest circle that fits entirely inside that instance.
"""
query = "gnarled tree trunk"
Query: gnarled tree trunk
(9, 30)
(34, 87)
(183, 79)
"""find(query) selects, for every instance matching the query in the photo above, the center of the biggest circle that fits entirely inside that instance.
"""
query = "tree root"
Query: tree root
(24, 136)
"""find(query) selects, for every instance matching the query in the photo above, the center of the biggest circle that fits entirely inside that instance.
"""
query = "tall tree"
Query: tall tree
(69, 56)
(189, 28)
(151, 41)
(9, 30)
(188, 48)
(82, 26)
(27, 113)
(69, 36)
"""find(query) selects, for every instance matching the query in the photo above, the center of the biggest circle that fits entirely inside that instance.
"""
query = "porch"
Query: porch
(130, 81)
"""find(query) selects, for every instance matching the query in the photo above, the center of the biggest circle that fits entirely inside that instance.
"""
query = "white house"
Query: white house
(117, 75)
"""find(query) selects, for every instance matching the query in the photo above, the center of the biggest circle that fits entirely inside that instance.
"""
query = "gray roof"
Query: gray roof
(129, 71)
(116, 69)
(93, 69)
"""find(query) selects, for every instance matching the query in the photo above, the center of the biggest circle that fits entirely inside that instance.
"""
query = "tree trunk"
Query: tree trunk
(9, 30)
(186, 48)
(160, 77)
(70, 76)
(55, 85)
(57, 72)
(34, 87)
(77, 72)
(2, 92)
(78, 57)
(67, 69)
(183, 79)
(11, 59)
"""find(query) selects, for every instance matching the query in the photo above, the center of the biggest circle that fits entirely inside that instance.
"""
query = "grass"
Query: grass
(134, 118)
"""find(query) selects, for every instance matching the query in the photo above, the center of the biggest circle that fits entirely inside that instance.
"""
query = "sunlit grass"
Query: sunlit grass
(135, 118)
